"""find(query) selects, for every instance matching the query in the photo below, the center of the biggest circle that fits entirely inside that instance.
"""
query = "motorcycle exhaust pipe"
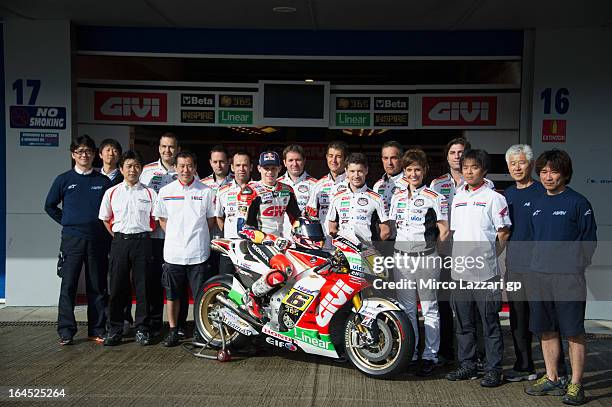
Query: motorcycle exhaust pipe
(241, 313)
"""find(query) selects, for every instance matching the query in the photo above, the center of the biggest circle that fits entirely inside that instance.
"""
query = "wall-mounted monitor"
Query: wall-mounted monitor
(293, 103)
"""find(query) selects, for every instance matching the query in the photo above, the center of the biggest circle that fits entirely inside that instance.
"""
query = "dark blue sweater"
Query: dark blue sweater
(564, 233)
(520, 205)
(80, 196)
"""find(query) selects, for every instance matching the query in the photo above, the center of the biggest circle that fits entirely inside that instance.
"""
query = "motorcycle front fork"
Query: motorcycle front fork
(367, 330)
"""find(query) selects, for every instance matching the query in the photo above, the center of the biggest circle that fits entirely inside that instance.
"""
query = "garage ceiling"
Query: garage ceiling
(321, 14)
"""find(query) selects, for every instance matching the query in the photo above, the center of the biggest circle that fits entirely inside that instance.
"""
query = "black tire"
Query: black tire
(205, 302)
(391, 355)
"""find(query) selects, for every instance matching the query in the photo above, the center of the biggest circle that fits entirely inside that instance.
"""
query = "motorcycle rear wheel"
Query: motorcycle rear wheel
(207, 302)
(392, 353)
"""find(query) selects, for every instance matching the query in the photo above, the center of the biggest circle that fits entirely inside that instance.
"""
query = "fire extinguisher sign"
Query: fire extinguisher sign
(556, 103)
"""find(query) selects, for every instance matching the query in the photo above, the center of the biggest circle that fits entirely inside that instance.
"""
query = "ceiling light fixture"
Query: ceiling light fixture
(309, 80)
(284, 9)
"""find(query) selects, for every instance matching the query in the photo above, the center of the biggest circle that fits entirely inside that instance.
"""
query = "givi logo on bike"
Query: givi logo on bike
(459, 110)
(131, 106)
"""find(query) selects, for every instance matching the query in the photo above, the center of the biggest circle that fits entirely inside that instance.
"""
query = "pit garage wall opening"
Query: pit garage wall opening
(31, 257)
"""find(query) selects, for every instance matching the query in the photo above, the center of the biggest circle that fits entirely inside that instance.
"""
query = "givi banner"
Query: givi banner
(459, 110)
(131, 106)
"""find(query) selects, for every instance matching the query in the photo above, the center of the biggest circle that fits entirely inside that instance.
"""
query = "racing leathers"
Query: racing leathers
(262, 209)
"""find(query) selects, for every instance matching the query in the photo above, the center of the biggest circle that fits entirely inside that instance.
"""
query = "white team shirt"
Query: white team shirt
(322, 194)
(446, 186)
(415, 218)
(226, 206)
(353, 212)
(302, 188)
(186, 209)
(129, 209)
(211, 181)
(476, 216)
(386, 187)
(156, 176)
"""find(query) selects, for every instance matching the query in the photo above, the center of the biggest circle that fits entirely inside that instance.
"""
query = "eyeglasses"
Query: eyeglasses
(85, 151)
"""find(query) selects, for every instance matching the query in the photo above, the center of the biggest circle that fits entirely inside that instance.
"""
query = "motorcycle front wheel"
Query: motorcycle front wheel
(207, 305)
(385, 354)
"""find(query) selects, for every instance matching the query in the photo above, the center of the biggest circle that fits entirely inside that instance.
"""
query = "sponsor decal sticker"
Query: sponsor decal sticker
(459, 111)
(131, 106)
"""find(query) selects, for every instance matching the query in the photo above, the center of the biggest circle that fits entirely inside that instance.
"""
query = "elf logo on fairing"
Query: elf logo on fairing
(334, 299)
(130, 106)
(281, 344)
(460, 110)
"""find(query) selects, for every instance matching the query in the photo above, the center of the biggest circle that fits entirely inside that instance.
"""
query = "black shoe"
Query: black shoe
(444, 361)
(492, 378)
(64, 341)
(426, 368)
(143, 338)
(112, 339)
(198, 340)
(172, 339)
(519, 375)
(463, 373)
(127, 328)
(181, 333)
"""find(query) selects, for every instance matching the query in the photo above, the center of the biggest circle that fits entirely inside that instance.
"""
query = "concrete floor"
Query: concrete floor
(133, 375)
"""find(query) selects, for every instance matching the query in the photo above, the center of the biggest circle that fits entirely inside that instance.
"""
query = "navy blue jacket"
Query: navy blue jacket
(520, 205)
(564, 233)
(80, 196)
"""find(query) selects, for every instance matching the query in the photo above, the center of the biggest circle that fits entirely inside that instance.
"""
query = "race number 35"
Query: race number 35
(561, 100)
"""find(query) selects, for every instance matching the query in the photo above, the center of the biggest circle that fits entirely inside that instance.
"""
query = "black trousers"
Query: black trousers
(108, 239)
(74, 253)
(156, 290)
(488, 303)
(447, 331)
(127, 255)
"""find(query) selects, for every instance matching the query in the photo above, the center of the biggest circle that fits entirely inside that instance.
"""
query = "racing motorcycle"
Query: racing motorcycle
(321, 309)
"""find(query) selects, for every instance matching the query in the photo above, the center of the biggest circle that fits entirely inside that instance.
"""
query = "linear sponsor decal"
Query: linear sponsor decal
(353, 119)
(131, 106)
(197, 116)
(353, 103)
(197, 100)
(459, 110)
(37, 117)
(235, 117)
(245, 101)
(31, 139)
